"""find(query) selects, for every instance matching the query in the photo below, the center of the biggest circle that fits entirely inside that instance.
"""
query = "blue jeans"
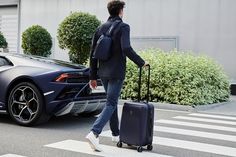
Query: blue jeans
(113, 88)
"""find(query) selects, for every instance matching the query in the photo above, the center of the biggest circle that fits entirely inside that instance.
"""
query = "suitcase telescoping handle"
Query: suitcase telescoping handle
(139, 83)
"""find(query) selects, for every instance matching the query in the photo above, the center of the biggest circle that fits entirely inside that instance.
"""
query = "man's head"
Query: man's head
(115, 8)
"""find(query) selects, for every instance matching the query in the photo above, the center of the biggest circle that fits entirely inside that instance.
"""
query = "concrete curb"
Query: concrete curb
(182, 107)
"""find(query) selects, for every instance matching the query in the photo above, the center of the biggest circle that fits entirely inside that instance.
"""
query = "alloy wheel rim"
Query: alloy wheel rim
(24, 104)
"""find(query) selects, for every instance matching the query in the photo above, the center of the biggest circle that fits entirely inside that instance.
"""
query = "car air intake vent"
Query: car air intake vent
(68, 93)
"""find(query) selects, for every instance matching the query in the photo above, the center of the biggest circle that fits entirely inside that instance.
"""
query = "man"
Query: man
(111, 72)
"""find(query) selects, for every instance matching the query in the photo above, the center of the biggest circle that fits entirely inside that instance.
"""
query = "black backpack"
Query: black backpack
(103, 46)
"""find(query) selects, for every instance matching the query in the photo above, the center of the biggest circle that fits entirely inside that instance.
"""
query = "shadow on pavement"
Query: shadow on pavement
(5, 118)
(67, 122)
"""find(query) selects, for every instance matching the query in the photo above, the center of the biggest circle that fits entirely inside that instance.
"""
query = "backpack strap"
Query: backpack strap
(112, 27)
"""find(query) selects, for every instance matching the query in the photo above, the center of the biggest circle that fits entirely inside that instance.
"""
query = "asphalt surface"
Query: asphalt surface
(176, 133)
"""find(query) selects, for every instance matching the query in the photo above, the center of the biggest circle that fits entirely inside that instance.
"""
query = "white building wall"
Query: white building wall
(203, 26)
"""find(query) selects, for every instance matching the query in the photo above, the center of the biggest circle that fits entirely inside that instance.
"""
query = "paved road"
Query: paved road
(180, 134)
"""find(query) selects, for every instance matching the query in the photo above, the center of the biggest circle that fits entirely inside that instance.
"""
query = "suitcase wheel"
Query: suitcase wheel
(149, 147)
(119, 144)
(140, 149)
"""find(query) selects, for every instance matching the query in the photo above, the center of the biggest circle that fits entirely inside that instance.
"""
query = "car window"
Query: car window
(4, 61)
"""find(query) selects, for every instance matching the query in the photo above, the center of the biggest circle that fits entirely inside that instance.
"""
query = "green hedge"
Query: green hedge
(3, 42)
(75, 33)
(179, 78)
(36, 40)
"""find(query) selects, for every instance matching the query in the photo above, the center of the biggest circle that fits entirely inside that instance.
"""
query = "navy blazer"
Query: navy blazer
(115, 67)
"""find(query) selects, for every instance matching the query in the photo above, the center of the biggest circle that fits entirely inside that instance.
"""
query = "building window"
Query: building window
(166, 43)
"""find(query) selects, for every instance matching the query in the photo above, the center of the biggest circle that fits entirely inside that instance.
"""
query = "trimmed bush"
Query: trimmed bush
(36, 40)
(179, 78)
(75, 33)
(3, 42)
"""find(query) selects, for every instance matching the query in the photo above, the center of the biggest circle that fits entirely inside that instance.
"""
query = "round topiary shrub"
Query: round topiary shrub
(3, 42)
(75, 33)
(179, 78)
(36, 40)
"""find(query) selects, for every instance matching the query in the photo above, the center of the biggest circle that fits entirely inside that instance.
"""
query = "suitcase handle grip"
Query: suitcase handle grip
(139, 83)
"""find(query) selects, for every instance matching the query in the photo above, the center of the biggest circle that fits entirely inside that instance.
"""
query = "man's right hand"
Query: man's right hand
(93, 84)
(146, 65)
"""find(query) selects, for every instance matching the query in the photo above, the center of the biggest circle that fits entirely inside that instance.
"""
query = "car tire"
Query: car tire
(26, 105)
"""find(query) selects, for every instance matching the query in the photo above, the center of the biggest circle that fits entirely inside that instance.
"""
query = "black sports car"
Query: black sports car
(32, 89)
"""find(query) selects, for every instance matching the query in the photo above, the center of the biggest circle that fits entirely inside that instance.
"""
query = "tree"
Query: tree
(3, 42)
(75, 33)
(36, 40)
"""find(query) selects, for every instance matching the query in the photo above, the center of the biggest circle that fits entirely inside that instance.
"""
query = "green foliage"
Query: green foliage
(75, 33)
(3, 42)
(179, 78)
(36, 40)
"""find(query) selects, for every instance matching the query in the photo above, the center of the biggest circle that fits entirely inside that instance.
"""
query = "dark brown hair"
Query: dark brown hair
(115, 6)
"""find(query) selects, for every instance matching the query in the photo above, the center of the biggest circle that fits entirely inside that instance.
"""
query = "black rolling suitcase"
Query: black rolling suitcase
(137, 121)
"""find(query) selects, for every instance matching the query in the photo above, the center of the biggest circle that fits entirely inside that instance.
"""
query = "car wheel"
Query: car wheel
(26, 105)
